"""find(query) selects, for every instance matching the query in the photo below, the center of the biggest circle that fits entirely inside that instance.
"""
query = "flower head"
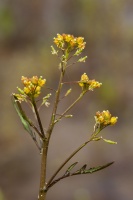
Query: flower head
(32, 87)
(105, 118)
(69, 42)
(88, 84)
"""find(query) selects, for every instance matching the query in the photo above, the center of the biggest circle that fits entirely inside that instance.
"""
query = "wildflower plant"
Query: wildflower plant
(67, 47)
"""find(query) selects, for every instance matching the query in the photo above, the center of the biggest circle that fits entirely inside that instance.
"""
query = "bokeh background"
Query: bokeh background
(27, 28)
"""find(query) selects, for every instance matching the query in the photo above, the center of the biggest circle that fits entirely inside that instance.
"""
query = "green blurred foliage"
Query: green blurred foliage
(1, 195)
(6, 23)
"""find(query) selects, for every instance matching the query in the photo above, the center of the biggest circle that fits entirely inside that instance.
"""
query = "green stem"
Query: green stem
(43, 184)
(38, 117)
(52, 121)
(42, 191)
(66, 161)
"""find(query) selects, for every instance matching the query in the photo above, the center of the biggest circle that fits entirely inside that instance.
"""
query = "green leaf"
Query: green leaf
(91, 170)
(78, 52)
(25, 121)
(96, 138)
(95, 169)
(82, 59)
(45, 100)
(68, 116)
(83, 169)
(109, 141)
(54, 52)
(68, 92)
(70, 168)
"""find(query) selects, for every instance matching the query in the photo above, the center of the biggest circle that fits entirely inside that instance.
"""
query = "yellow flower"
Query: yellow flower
(94, 84)
(25, 80)
(38, 89)
(88, 84)
(113, 120)
(84, 80)
(41, 82)
(32, 87)
(80, 40)
(69, 42)
(26, 90)
(20, 97)
(105, 118)
(34, 80)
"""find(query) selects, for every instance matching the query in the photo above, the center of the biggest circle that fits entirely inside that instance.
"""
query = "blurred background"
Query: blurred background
(27, 28)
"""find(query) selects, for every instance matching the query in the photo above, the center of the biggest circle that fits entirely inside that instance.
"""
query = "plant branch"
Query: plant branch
(38, 118)
(66, 161)
(73, 104)
(35, 128)
(42, 191)
(36, 143)
(89, 171)
(51, 124)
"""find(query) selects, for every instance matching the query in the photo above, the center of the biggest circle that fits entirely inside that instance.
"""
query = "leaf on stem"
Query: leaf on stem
(25, 121)
(82, 59)
(70, 168)
(45, 100)
(83, 168)
(68, 116)
(91, 170)
(68, 92)
(109, 141)
(54, 52)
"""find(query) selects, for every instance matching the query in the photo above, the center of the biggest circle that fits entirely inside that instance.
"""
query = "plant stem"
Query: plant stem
(38, 117)
(42, 191)
(66, 161)
(52, 121)
(89, 171)
(43, 184)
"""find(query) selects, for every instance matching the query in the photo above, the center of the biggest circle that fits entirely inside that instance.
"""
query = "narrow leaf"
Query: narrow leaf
(71, 167)
(68, 116)
(110, 141)
(82, 59)
(54, 52)
(68, 92)
(96, 138)
(45, 100)
(95, 169)
(25, 121)
(83, 168)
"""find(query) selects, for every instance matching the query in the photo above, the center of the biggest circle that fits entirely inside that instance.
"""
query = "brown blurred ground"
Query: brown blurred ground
(26, 31)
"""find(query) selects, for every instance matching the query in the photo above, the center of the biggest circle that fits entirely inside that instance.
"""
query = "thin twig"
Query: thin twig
(79, 173)
(38, 117)
(35, 128)
(80, 96)
(66, 161)
(51, 124)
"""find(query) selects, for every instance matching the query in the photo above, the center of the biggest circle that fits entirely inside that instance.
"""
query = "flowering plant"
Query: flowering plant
(67, 47)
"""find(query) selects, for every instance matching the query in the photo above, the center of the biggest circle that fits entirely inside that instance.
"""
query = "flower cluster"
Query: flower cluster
(69, 42)
(88, 84)
(104, 118)
(32, 87)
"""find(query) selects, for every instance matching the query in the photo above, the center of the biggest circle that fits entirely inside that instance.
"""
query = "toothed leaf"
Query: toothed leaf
(95, 169)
